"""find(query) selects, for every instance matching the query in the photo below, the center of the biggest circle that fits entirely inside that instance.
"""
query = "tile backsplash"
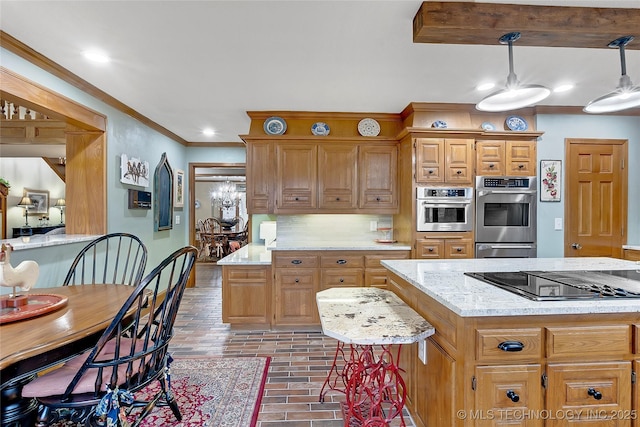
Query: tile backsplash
(330, 228)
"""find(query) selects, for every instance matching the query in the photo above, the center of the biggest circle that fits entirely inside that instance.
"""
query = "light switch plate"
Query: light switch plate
(422, 351)
(558, 224)
(177, 219)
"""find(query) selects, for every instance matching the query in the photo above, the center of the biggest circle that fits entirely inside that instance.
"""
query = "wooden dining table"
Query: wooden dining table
(34, 344)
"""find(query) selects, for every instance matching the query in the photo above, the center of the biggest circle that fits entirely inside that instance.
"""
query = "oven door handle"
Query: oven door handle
(510, 246)
(487, 192)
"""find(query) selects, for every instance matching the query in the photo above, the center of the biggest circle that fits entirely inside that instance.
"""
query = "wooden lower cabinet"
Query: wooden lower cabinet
(449, 246)
(295, 297)
(631, 254)
(246, 292)
(569, 369)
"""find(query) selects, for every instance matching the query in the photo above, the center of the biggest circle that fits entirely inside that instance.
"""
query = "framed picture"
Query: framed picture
(134, 171)
(163, 195)
(40, 199)
(178, 196)
(550, 180)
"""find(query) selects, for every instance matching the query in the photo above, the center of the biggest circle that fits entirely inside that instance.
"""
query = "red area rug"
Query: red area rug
(216, 392)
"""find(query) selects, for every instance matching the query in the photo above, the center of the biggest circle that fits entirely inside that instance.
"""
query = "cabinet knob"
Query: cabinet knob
(337, 199)
(491, 166)
(430, 249)
(513, 396)
(458, 249)
(377, 199)
(296, 261)
(459, 172)
(296, 199)
(595, 393)
(430, 172)
(341, 280)
(297, 280)
(520, 166)
(341, 261)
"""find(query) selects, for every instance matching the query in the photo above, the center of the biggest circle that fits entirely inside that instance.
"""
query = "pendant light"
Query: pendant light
(625, 96)
(514, 95)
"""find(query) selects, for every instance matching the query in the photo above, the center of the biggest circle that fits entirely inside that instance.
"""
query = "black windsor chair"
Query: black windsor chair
(118, 258)
(131, 353)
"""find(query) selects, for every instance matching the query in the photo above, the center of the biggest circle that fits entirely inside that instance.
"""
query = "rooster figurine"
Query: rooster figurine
(23, 276)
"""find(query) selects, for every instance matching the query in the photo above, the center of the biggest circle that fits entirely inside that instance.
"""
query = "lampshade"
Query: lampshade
(60, 203)
(514, 95)
(25, 202)
(625, 96)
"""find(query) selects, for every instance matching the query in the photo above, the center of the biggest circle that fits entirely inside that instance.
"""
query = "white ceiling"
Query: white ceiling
(188, 65)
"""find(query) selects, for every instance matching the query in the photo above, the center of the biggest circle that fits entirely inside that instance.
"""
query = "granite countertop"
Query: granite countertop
(444, 281)
(368, 316)
(43, 240)
(251, 254)
(634, 247)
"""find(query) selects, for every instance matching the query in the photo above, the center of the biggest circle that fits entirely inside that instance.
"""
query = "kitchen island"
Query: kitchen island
(497, 358)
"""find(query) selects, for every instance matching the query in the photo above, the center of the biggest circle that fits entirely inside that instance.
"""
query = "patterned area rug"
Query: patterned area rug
(216, 392)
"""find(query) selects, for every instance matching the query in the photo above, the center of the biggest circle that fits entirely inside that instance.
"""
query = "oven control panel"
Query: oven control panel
(441, 192)
(506, 182)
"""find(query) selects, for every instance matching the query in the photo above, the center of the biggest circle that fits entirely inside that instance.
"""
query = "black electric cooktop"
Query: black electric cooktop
(566, 285)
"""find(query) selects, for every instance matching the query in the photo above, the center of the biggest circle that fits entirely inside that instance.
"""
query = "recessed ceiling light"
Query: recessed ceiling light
(96, 56)
(563, 88)
(209, 132)
(485, 86)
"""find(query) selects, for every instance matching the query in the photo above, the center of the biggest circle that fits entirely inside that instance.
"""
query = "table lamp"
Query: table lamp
(26, 203)
(60, 204)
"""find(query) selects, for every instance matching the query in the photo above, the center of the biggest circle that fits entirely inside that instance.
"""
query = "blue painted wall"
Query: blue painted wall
(552, 147)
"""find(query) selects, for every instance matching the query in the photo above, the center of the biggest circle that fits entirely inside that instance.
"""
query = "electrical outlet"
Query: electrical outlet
(422, 351)
(373, 225)
(558, 224)
(177, 219)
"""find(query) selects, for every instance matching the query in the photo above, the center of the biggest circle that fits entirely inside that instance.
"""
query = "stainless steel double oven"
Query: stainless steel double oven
(506, 217)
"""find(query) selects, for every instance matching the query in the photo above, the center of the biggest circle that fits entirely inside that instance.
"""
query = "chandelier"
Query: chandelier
(225, 194)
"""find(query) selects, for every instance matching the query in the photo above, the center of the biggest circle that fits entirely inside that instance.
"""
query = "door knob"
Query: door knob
(576, 246)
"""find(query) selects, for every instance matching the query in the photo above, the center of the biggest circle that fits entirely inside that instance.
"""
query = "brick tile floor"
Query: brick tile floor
(300, 360)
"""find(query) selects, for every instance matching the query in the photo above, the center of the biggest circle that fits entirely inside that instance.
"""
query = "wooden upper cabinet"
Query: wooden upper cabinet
(378, 178)
(296, 176)
(429, 160)
(506, 158)
(337, 179)
(260, 178)
(441, 160)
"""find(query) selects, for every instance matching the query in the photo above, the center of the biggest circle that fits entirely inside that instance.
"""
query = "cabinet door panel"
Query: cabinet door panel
(297, 176)
(490, 157)
(459, 161)
(430, 157)
(295, 291)
(573, 387)
(504, 391)
(246, 294)
(337, 178)
(260, 178)
(521, 158)
(378, 180)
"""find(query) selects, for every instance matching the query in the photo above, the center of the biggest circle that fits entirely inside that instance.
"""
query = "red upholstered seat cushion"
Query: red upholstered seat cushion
(55, 383)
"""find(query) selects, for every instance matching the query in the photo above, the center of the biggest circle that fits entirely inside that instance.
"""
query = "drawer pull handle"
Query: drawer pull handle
(341, 261)
(430, 249)
(513, 396)
(459, 172)
(511, 346)
(296, 261)
(297, 280)
(430, 172)
(595, 393)
(341, 280)
(458, 249)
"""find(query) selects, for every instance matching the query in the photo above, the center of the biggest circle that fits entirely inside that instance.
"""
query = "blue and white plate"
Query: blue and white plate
(440, 124)
(488, 126)
(275, 126)
(516, 123)
(320, 129)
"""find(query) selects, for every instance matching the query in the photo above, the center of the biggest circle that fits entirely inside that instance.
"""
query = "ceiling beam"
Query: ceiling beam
(547, 26)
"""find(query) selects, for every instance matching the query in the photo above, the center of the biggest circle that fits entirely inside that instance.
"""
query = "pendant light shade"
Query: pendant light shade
(626, 94)
(514, 95)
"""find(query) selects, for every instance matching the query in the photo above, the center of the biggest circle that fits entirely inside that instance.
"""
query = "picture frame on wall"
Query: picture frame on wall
(40, 200)
(134, 171)
(163, 195)
(178, 197)
(550, 180)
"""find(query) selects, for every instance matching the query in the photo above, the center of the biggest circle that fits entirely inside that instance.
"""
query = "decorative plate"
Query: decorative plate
(440, 124)
(368, 127)
(320, 129)
(516, 123)
(275, 126)
(488, 126)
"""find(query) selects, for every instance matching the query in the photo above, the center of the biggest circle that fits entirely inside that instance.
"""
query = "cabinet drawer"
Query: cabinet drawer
(376, 277)
(296, 277)
(518, 344)
(461, 248)
(430, 248)
(296, 261)
(602, 341)
(341, 261)
(247, 275)
(338, 277)
(373, 261)
(297, 200)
